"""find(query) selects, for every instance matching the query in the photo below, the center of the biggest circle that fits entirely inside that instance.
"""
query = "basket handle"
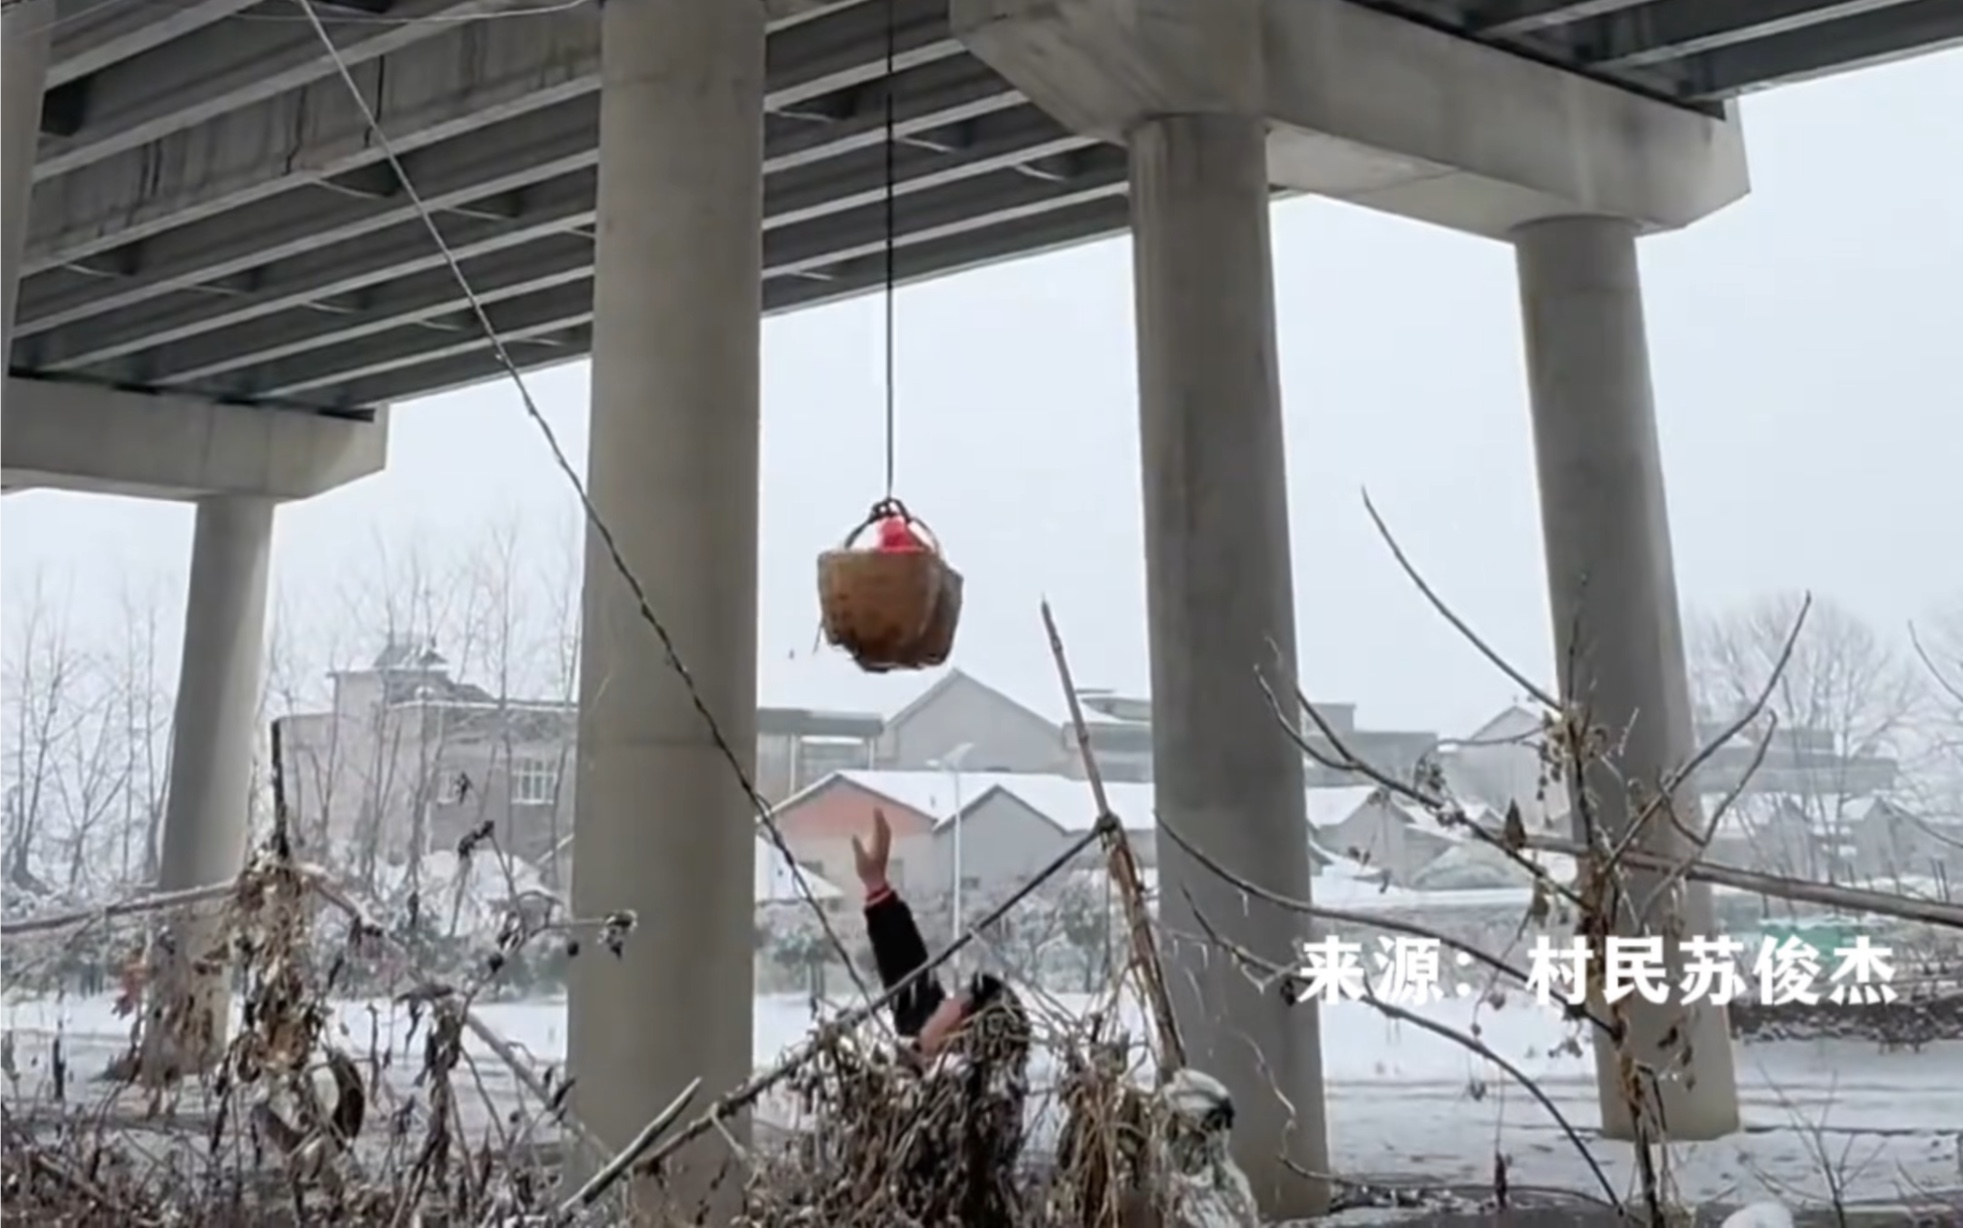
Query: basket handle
(886, 509)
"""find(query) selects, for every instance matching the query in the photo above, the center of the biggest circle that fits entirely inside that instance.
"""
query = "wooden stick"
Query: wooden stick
(1123, 864)
(617, 1167)
(136, 906)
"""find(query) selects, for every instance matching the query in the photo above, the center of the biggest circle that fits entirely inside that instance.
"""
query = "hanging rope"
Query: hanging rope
(892, 240)
(898, 604)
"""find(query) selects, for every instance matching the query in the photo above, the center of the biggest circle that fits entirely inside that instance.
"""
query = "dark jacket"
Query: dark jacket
(968, 1103)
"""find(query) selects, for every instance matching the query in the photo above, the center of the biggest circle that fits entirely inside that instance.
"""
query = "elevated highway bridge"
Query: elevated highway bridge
(211, 216)
(218, 280)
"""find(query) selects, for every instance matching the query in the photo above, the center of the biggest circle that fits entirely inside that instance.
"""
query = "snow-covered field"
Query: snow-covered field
(1402, 1103)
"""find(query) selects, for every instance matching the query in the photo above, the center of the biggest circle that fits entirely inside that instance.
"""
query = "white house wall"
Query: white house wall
(910, 869)
(1498, 772)
(1382, 836)
(1004, 843)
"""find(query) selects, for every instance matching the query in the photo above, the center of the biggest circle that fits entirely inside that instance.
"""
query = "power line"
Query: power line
(593, 518)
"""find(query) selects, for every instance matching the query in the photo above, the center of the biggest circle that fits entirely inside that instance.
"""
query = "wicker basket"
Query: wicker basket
(890, 609)
(938, 641)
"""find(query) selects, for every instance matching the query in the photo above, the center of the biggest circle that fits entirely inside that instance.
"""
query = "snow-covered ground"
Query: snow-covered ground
(1402, 1103)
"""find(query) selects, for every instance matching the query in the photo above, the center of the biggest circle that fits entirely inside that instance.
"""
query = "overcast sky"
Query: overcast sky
(1806, 351)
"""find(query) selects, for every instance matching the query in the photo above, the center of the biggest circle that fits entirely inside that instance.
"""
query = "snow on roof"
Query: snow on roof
(1329, 805)
(777, 884)
(930, 793)
(1352, 883)
(1093, 701)
(1470, 856)
(1063, 800)
(1070, 805)
(826, 680)
(1475, 812)
(1515, 721)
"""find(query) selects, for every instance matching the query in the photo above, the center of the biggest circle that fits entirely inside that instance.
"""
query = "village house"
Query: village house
(819, 823)
(985, 834)
(1854, 840)
(409, 757)
(1795, 805)
(1395, 835)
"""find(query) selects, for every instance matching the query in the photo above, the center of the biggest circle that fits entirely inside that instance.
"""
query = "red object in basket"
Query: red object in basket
(893, 535)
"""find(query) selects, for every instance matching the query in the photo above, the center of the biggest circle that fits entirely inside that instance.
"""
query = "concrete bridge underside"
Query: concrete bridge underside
(212, 217)
(221, 283)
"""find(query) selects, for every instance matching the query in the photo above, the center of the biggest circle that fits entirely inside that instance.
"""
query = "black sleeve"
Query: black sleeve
(898, 949)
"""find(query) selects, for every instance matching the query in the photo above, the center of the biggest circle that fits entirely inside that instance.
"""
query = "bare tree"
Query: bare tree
(1939, 646)
(1835, 726)
(90, 780)
(341, 656)
(511, 721)
(408, 604)
(41, 676)
(560, 627)
(503, 734)
(86, 744)
(302, 655)
(1062, 933)
(147, 704)
(438, 652)
(1939, 649)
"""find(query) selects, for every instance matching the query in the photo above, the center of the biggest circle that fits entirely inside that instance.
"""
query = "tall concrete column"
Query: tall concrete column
(1618, 633)
(1220, 600)
(26, 33)
(661, 824)
(208, 808)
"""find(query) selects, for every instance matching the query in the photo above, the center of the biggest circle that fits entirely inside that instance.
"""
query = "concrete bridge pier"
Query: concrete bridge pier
(1220, 602)
(1617, 630)
(26, 37)
(208, 811)
(1358, 105)
(1219, 583)
(661, 824)
(235, 464)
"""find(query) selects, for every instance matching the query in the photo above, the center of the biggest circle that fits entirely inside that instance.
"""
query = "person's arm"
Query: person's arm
(898, 949)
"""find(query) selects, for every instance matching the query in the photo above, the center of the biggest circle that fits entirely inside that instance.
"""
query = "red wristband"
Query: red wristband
(879, 894)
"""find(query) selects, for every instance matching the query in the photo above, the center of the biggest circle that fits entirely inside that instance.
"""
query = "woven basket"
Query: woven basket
(890, 609)
(937, 642)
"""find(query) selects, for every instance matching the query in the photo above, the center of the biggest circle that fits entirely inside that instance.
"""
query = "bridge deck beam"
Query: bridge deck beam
(77, 436)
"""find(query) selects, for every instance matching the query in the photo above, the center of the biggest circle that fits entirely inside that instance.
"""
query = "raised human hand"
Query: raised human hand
(870, 862)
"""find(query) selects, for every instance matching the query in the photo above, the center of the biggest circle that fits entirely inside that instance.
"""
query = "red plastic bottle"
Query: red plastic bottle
(893, 535)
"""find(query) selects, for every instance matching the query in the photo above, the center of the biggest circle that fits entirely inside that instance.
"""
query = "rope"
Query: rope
(892, 240)
(593, 519)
